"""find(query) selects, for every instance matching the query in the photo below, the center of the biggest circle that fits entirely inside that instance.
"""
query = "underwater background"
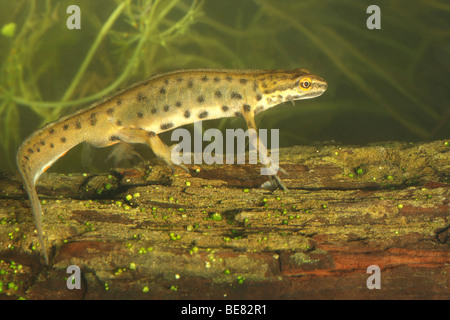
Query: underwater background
(384, 84)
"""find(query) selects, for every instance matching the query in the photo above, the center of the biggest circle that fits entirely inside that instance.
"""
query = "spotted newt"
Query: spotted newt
(160, 103)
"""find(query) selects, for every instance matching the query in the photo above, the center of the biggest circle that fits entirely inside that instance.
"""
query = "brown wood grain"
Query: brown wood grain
(215, 234)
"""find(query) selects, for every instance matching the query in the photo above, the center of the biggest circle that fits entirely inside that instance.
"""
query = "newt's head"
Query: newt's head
(286, 85)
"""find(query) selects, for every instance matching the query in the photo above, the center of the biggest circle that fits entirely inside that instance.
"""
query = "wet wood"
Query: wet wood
(215, 234)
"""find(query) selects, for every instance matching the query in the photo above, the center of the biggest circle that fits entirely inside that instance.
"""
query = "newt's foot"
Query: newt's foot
(123, 152)
(275, 182)
(173, 165)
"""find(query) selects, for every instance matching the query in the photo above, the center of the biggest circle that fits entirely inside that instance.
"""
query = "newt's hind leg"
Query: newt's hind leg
(151, 139)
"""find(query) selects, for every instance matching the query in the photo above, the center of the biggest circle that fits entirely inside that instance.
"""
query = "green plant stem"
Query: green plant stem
(64, 103)
(101, 35)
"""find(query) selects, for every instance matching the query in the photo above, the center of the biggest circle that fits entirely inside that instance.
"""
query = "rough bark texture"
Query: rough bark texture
(214, 234)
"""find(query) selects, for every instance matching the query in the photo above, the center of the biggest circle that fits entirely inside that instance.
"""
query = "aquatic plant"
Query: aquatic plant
(387, 73)
(132, 36)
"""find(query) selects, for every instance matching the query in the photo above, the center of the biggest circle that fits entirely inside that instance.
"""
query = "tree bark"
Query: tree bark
(215, 234)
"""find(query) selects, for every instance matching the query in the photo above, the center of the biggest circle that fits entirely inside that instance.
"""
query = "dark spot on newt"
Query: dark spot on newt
(141, 97)
(140, 114)
(187, 114)
(247, 108)
(178, 104)
(63, 139)
(166, 108)
(201, 99)
(93, 119)
(255, 86)
(225, 108)
(203, 114)
(236, 95)
(166, 126)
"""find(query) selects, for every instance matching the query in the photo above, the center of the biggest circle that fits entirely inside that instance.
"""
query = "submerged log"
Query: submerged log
(215, 234)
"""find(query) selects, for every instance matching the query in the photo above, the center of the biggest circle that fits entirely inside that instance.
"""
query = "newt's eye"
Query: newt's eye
(305, 84)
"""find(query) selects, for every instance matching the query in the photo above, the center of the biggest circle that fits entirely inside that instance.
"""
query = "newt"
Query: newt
(160, 103)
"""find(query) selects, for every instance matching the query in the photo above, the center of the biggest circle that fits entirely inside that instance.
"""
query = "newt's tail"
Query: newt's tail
(30, 175)
(36, 209)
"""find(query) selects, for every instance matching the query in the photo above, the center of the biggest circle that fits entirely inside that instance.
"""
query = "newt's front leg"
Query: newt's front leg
(271, 168)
